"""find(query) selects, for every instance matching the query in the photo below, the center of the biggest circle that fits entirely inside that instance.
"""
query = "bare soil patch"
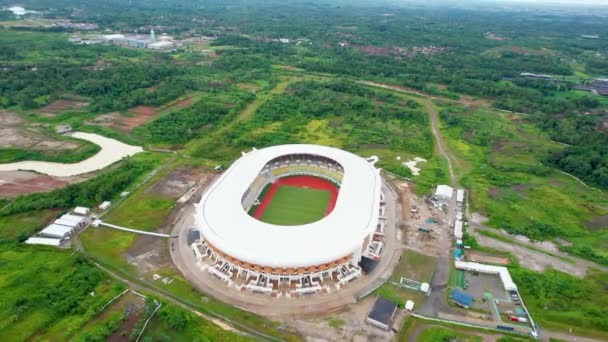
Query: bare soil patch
(9, 118)
(177, 182)
(248, 87)
(494, 193)
(30, 138)
(487, 258)
(597, 223)
(520, 188)
(183, 103)
(15, 183)
(58, 106)
(125, 123)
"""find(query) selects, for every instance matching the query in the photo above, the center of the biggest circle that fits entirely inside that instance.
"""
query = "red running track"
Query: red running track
(302, 182)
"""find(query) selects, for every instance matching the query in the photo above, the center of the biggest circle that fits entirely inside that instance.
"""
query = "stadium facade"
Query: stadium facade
(250, 254)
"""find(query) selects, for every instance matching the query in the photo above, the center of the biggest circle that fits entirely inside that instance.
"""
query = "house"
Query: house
(461, 299)
(382, 314)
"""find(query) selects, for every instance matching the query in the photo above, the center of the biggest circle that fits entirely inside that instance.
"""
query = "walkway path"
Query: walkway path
(111, 152)
(141, 232)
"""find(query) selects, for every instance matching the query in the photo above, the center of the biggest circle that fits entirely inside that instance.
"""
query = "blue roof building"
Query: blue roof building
(461, 299)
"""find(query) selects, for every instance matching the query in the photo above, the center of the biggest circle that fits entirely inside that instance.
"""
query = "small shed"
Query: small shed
(82, 211)
(409, 305)
(424, 287)
(458, 229)
(382, 314)
(105, 205)
(461, 299)
(460, 196)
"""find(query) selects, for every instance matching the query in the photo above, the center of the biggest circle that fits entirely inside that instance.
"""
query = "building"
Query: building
(43, 241)
(105, 205)
(57, 231)
(502, 272)
(460, 196)
(82, 211)
(537, 76)
(74, 221)
(382, 314)
(302, 257)
(443, 192)
(409, 305)
(461, 299)
(458, 229)
(161, 45)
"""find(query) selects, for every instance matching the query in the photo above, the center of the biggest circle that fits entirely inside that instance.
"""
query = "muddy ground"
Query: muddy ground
(15, 133)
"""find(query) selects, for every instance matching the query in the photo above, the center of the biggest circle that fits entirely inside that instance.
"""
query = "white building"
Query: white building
(444, 192)
(105, 205)
(43, 241)
(502, 272)
(161, 45)
(57, 231)
(82, 211)
(458, 229)
(329, 248)
(460, 196)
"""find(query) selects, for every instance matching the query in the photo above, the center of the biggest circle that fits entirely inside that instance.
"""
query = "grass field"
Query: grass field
(291, 206)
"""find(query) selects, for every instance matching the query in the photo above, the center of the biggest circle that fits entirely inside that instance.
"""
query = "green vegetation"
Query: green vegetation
(44, 289)
(500, 163)
(433, 334)
(562, 301)
(292, 206)
(172, 323)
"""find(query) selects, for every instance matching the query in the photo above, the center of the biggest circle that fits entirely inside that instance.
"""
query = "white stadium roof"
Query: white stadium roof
(225, 224)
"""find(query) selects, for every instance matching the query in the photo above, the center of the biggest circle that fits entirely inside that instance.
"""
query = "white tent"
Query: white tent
(409, 305)
(444, 192)
(57, 231)
(82, 211)
(460, 196)
(458, 229)
(43, 241)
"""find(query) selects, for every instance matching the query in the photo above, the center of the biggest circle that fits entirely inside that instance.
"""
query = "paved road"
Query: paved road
(283, 308)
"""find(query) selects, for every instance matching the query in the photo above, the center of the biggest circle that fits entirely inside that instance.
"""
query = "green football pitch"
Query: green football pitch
(292, 206)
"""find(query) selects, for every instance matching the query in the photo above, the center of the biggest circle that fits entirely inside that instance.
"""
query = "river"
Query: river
(111, 152)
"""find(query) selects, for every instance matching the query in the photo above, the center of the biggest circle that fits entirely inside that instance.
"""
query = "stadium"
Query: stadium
(291, 220)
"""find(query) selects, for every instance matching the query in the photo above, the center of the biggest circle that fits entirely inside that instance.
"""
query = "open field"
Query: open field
(292, 206)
